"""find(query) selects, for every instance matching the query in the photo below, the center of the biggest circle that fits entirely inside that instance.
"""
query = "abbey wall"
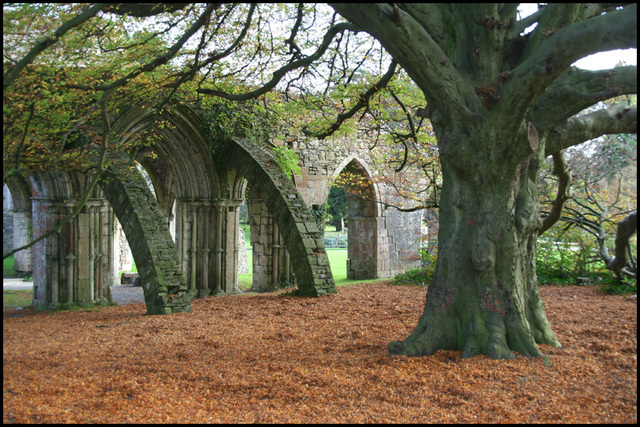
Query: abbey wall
(184, 234)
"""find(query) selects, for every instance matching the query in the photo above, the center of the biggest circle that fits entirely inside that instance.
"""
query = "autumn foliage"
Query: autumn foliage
(271, 358)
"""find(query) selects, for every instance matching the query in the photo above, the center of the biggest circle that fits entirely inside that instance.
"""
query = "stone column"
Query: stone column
(49, 253)
(399, 242)
(205, 289)
(22, 234)
(194, 248)
(99, 216)
(69, 262)
(261, 232)
(275, 249)
(218, 249)
(231, 247)
(287, 265)
(362, 260)
(182, 235)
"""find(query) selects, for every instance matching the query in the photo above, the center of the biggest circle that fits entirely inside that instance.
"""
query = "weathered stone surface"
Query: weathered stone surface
(151, 244)
(198, 194)
(261, 171)
(243, 262)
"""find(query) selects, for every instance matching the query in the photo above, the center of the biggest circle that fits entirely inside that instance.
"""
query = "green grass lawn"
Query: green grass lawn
(7, 267)
(337, 260)
(16, 298)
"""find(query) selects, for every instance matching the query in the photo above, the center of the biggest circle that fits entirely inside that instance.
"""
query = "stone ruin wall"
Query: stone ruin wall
(396, 234)
(321, 162)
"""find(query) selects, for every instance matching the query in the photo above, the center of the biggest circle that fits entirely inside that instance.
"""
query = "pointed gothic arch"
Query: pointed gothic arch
(294, 220)
(364, 219)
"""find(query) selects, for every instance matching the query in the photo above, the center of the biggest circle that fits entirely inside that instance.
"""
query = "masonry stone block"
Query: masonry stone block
(145, 226)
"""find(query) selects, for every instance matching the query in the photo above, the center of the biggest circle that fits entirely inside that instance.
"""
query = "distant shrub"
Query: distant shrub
(414, 277)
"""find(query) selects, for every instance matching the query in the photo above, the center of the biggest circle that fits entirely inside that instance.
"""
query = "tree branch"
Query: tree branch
(555, 16)
(578, 129)
(281, 72)
(418, 54)
(144, 10)
(161, 60)
(13, 73)
(521, 25)
(218, 56)
(614, 30)
(95, 179)
(431, 18)
(561, 170)
(362, 102)
(16, 156)
(577, 89)
(626, 228)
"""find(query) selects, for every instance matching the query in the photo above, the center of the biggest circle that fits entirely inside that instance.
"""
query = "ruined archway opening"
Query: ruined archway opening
(362, 221)
(245, 248)
(16, 228)
(270, 260)
(125, 264)
(295, 223)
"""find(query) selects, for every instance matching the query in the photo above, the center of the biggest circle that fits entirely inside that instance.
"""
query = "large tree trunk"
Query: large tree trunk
(484, 297)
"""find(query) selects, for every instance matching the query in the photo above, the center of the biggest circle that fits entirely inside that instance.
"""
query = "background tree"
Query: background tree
(602, 200)
(500, 101)
(337, 207)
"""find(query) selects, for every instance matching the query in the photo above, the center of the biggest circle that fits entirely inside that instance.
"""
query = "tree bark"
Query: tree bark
(484, 297)
(626, 228)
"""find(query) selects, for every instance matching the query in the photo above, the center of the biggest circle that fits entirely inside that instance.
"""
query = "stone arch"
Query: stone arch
(75, 264)
(51, 184)
(20, 222)
(147, 231)
(365, 231)
(357, 165)
(183, 164)
(294, 220)
(185, 182)
(188, 186)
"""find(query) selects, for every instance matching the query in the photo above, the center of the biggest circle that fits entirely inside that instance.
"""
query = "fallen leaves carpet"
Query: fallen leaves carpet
(268, 358)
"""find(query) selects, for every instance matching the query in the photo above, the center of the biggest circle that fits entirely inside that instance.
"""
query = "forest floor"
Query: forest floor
(274, 359)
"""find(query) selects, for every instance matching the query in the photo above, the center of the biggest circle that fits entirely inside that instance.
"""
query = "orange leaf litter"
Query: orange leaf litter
(273, 359)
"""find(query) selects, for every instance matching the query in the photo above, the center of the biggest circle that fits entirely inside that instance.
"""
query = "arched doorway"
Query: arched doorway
(363, 220)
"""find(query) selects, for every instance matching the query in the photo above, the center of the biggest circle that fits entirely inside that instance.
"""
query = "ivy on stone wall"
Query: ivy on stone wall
(218, 129)
(287, 159)
(224, 120)
(319, 213)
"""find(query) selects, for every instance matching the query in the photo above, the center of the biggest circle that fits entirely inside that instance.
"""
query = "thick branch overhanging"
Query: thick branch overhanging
(432, 19)
(417, 53)
(521, 25)
(281, 72)
(554, 16)
(576, 130)
(626, 228)
(144, 10)
(577, 89)
(532, 77)
(561, 170)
